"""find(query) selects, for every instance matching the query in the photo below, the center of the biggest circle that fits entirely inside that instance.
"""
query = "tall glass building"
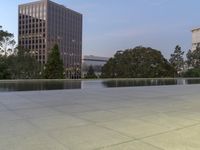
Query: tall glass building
(43, 24)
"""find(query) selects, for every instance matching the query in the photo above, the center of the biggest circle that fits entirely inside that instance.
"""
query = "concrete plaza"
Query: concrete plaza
(135, 118)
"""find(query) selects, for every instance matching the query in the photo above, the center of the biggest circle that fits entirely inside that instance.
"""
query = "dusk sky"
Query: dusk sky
(111, 25)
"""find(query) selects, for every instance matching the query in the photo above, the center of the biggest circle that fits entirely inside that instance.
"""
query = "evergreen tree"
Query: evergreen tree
(177, 60)
(54, 68)
(196, 57)
(91, 74)
(190, 59)
(193, 58)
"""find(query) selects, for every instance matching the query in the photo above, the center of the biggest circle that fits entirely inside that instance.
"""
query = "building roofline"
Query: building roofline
(49, 1)
(101, 60)
(195, 29)
(24, 4)
(62, 6)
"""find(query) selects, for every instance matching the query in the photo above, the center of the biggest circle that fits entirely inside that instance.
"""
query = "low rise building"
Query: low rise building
(195, 38)
(95, 61)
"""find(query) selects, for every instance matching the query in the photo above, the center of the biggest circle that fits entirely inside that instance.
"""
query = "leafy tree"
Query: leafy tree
(193, 58)
(54, 68)
(91, 74)
(177, 60)
(7, 42)
(194, 72)
(23, 65)
(3, 33)
(109, 69)
(139, 62)
(190, 59)
(16, 63)
(196, 57)
(4, 68)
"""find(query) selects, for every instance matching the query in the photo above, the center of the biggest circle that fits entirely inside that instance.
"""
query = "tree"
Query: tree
(191, 73)
(23, 65)
(54, 68)
(139, 62)
(16, 62)
(177, 60)
(193, 58)
(196, 57)
(91, 74)
(2, 33)
(190, 59)
(7, 42)
(4, 68)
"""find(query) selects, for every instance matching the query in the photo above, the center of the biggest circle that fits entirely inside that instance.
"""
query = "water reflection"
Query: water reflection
(35, 85)
(193, 81)
(38, 85)
(149, 82)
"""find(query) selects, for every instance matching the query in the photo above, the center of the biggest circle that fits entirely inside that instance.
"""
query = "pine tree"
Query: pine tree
(54, 68)
(177, 60)
(91, 73)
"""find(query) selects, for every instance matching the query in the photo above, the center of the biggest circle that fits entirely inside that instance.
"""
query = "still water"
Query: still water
(35, 85)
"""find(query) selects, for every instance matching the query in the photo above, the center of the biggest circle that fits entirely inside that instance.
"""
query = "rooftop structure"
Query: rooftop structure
(95, 61)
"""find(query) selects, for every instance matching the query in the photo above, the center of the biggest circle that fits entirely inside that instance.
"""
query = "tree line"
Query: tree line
(188, 66)
(142, 62)
(19, 63)
(139, 62)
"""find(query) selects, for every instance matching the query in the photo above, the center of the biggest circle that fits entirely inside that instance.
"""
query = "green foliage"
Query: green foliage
(7, 42)
(190, 59)
(177, 60)
(196, 58)
(195, 72)
(91, 73)
(3, 33)
(139, 62)
(4, 68)
(193, 58)
(23, 65)
(16, 63)
(54, 68)
(193, 62)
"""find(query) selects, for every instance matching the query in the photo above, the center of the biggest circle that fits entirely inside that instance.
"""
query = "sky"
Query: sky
(112, 25)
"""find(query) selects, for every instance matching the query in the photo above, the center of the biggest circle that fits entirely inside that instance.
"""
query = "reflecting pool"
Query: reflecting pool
(35, 85)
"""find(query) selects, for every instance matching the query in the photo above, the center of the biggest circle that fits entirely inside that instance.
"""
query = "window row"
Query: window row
(34, 46)
(32, 41)
(32, 31)
(31, 24)
(40, 57)
(32, 9)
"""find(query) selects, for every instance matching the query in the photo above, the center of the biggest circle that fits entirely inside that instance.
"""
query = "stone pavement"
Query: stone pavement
(134, 118)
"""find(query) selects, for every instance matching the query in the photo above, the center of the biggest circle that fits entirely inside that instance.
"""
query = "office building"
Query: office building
(42, 24)
(195, 38)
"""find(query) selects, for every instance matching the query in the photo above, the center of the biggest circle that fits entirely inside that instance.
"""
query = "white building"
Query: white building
(195, 38)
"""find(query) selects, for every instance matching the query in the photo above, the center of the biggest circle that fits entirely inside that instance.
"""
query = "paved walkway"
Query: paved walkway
(140, 118)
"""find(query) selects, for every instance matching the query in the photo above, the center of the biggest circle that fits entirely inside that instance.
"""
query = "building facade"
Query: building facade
(43, 24)
(195, 38)
(95, 61)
